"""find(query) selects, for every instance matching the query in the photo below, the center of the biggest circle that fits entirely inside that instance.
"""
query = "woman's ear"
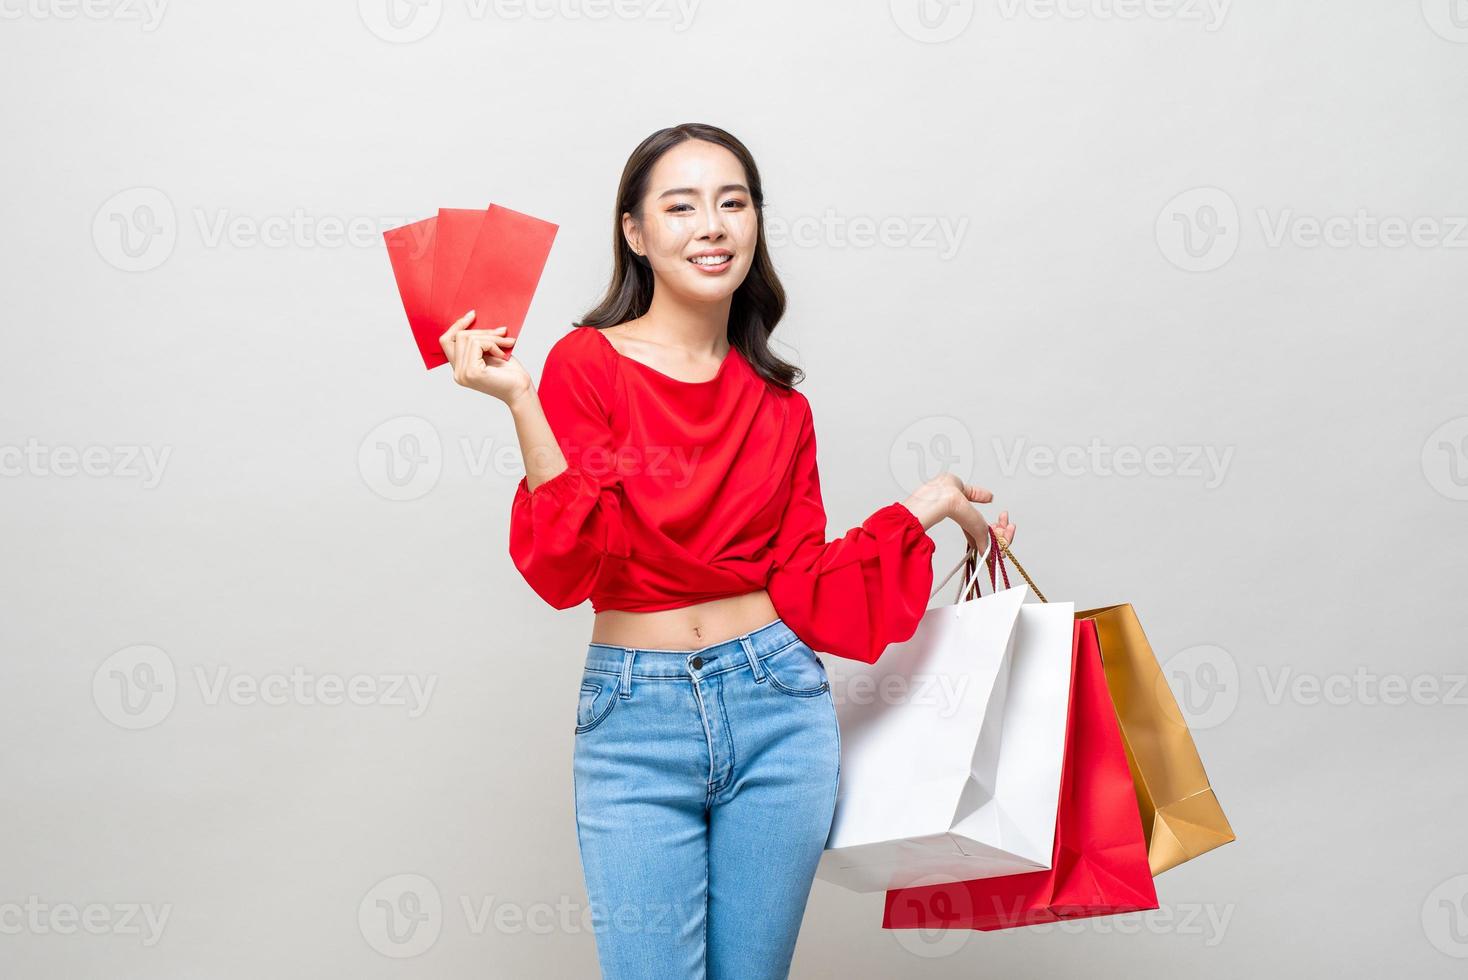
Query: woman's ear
(632, 233)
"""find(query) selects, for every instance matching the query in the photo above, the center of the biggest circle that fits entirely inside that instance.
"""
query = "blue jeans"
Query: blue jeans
(705, 787)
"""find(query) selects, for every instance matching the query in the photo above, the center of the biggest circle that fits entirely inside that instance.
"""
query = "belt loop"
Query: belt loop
(754, 664)
(627, 672)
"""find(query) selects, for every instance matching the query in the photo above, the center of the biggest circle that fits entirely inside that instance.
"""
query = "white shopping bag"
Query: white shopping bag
(951, 746)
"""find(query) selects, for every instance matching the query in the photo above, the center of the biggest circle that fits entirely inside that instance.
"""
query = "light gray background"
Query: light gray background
(1099, 290)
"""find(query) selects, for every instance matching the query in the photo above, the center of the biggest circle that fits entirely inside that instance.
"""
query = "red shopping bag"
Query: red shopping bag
(1100, 864)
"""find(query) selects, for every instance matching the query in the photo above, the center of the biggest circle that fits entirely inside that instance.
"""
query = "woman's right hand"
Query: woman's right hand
(480, 360)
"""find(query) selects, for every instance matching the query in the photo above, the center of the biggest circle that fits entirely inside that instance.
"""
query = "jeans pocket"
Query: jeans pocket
(796, 671)
(598, 698)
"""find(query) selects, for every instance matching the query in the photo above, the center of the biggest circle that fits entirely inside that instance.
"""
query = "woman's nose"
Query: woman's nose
(713, 224)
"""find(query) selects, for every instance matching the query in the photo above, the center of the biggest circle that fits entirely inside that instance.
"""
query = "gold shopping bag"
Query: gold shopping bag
(1181, 817)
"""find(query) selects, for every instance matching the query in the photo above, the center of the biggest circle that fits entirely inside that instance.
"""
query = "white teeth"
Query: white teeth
(710, 259)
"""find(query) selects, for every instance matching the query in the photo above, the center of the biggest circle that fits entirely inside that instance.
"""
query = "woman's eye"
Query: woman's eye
(678, 208)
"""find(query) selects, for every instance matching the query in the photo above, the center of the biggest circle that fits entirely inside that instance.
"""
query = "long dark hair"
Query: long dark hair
(758, 303)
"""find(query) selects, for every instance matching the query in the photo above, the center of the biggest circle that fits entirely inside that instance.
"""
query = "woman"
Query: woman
(670, 478)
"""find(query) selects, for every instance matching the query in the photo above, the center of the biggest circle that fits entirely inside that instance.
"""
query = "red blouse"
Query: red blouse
(678, 492)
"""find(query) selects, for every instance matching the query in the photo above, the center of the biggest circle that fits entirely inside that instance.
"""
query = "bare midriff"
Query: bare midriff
(687, 627)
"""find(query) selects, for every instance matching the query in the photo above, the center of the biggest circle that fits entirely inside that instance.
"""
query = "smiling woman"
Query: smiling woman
(671, 479)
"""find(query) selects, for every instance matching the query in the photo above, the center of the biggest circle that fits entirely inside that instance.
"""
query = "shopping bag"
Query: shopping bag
(1099, 865)
(1181, 816)
(956, 770)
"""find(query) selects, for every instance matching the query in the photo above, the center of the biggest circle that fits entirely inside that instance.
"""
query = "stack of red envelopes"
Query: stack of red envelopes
(462, 259)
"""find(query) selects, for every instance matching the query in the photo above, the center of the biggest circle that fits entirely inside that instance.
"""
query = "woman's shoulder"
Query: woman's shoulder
(580, 351)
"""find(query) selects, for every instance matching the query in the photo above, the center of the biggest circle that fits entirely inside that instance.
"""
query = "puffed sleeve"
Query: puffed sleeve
(854, 596)
(561, 530)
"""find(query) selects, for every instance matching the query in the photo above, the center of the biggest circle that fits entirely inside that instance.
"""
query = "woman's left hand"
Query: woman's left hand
(947, 497)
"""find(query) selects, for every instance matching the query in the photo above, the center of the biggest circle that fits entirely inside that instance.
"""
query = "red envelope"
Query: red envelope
(458, 230)
(410, 250)
(504, 269)
(488, 261)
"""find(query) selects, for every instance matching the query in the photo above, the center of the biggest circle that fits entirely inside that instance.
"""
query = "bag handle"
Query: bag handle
(971, 560)
(964, 584)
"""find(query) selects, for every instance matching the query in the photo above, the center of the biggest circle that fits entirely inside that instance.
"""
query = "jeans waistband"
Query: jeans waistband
(652, 662)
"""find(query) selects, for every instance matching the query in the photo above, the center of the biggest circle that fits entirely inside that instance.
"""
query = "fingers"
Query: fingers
(977, 494)
(479, 341)
(1004, 528)
(446, 339)
(469, 350)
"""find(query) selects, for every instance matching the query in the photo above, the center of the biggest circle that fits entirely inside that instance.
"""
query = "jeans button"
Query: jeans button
(697, 662)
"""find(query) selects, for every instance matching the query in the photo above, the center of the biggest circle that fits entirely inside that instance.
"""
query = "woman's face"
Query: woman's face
(697, 204)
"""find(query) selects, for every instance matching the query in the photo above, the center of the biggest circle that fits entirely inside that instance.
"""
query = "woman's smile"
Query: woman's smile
(712, 261)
